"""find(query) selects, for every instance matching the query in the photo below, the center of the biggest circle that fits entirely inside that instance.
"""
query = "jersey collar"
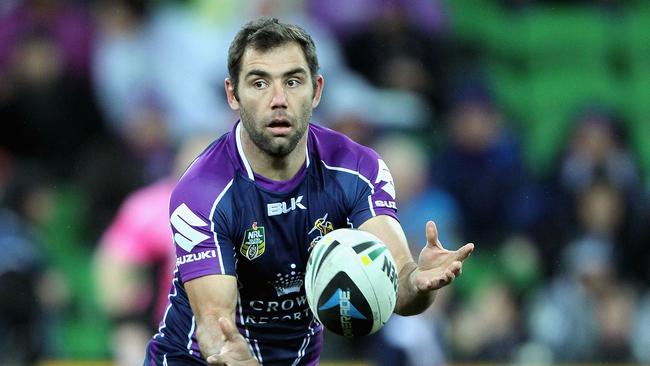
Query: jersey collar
(242, 156)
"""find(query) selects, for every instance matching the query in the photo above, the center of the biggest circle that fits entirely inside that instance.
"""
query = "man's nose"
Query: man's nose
(279, 97)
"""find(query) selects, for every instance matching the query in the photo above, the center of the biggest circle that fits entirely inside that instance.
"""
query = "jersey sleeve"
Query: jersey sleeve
(375, 191)
(200, 230)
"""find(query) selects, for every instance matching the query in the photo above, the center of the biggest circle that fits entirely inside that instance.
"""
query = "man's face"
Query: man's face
(276, 97)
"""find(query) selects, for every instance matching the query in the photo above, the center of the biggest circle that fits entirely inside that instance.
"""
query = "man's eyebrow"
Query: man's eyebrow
(257, 72)
(297, 70)
(265, 74)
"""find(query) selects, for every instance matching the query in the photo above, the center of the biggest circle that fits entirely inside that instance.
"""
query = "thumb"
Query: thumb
(432, 235)
(228, 329)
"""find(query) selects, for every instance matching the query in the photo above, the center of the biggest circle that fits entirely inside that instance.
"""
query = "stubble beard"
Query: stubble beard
(273, 146)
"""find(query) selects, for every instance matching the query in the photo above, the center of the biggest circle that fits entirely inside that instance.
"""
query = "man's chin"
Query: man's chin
(279, 146)
(280, 149)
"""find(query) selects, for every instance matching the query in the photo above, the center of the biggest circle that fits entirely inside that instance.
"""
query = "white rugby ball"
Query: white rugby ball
(351, 282)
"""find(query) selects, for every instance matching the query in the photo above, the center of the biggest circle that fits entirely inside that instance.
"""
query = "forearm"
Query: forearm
(213, 302)
(410, 301)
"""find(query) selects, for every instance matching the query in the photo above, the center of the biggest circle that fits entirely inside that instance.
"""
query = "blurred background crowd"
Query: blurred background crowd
(520, 125)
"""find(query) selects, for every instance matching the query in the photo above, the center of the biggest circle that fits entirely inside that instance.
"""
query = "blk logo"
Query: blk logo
(279, 208)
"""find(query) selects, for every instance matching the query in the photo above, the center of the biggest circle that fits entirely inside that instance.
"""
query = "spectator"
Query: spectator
(122, 59)
(481, 166)
(66, 22)
(585, 313)
(487, 327)
(32, 292)
(394, 50)
(52, 117)
(598, 149)
(137, 55)
(598, 152)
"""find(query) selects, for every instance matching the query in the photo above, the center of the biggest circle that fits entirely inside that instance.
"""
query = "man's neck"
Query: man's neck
(275, 168)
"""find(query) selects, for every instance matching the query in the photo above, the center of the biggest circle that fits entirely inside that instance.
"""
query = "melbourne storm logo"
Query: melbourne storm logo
(323, 227)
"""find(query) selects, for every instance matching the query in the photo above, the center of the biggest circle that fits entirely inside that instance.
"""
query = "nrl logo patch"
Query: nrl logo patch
(254, 242)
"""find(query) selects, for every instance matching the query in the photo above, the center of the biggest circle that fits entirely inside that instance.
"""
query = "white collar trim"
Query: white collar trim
(240, 150)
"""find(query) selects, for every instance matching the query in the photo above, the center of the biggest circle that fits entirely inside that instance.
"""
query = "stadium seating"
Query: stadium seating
(547, 62)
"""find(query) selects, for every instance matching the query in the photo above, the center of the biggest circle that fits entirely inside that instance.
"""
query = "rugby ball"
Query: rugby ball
(351, 282)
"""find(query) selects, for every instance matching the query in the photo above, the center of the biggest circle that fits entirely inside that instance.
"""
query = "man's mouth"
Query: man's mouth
(280, 126)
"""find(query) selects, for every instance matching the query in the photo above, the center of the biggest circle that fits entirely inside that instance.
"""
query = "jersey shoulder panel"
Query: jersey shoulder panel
(345, 157)
(205, 179)
(199, 213)
(337, 150)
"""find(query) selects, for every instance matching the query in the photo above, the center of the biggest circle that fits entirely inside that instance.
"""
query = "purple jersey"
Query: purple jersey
(228, 220)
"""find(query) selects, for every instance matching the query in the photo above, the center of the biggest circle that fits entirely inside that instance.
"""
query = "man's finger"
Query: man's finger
(215, 360)
(432, 234)
(465, 251)
(456, 267)
(424, 284)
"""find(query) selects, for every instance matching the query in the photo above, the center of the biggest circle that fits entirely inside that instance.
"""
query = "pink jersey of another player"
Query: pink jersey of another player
(140, 235)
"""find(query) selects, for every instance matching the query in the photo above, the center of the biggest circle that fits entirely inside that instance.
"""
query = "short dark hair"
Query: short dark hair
(264, 34)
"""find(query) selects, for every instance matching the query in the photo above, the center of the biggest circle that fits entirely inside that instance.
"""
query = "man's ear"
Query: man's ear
(318, 91)
(231, 94)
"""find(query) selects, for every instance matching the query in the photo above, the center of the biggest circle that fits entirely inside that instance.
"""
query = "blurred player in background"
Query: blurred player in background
(135, 258)
(242, 216)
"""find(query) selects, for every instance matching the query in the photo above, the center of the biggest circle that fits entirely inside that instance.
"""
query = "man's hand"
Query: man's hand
(235, 350)
(437, 266)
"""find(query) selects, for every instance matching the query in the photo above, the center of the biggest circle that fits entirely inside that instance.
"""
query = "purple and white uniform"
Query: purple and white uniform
(228, 220)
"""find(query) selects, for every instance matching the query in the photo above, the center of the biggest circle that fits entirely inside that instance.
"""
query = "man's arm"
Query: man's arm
(213, 300)
(418, 282)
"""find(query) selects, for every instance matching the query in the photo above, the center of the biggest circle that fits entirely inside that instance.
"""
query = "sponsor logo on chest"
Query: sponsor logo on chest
(280, 208)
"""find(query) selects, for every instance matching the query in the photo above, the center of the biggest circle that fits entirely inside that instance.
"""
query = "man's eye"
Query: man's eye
(292, 83)
(260, 84)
